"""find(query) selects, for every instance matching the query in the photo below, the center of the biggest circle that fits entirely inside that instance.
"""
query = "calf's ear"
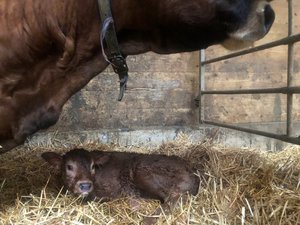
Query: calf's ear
(100, 160)
(53, 159)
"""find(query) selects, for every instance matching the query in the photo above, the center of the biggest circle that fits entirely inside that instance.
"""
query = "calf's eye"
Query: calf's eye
(69, 167)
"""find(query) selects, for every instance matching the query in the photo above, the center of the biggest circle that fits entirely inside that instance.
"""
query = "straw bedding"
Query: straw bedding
(238, 186)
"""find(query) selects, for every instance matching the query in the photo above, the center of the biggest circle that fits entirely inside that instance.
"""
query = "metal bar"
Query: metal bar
(284, 41)
(294, 140)
(290, 66)
(282, 90)
(201, 84)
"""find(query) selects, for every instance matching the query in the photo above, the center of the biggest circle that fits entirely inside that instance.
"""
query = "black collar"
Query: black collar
(113, 55)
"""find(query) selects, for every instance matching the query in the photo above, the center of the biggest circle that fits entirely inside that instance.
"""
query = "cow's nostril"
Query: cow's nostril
(269, 16)
(85, 186)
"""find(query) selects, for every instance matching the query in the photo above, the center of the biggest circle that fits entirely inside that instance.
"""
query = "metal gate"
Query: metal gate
(288, 90)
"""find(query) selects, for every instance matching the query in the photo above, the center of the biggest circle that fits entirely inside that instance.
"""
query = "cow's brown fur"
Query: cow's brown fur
(49, 50)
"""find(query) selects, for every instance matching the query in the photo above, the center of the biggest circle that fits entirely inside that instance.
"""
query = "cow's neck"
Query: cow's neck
(145, 27)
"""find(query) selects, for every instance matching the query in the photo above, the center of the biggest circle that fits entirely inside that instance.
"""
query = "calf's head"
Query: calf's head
(76, 169)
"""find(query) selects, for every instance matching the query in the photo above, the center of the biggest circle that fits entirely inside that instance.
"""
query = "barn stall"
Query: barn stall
(245, 178)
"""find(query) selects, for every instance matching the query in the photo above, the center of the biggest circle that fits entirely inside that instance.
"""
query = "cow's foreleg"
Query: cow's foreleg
(7, 145)
(42, 108)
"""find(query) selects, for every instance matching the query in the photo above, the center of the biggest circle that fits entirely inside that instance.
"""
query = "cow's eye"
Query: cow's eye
(69, 167)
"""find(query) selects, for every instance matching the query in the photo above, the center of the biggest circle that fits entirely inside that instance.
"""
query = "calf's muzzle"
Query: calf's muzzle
(83, 187)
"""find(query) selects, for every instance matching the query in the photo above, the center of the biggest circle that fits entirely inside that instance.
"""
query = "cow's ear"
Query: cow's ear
(53, 159)
(102, 159)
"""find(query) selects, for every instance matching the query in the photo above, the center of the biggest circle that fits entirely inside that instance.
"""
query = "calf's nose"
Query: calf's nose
(85, 187)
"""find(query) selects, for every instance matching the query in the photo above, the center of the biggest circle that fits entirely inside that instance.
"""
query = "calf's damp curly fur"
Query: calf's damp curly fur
(111, 175)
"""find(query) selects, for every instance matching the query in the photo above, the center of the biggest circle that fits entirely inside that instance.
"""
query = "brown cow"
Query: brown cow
(49, 50)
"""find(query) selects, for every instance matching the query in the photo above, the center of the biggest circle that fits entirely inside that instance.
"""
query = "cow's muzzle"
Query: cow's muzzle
(259, 22)
(261, 25)
(258, 25)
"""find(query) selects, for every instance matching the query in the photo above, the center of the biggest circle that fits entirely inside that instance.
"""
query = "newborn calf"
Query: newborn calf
(110, 175)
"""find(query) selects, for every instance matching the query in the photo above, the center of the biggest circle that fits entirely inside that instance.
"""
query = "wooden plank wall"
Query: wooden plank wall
(162, 88)
(160, 93)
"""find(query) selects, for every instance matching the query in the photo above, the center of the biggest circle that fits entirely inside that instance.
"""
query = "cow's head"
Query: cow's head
(256, 26)
(76, 169)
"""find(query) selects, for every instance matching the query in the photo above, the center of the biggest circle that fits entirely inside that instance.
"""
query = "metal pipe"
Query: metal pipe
(282, 90)
(201, 84)
(294, 140)
(284, 41)
(290, 68)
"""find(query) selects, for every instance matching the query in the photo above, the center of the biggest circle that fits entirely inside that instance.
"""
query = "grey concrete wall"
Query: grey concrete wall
(154, 136)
